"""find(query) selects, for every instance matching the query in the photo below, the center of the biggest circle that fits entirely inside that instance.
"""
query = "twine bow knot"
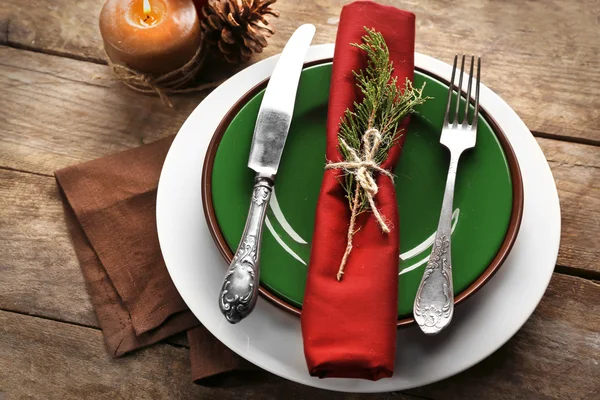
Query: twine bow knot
(362, 167)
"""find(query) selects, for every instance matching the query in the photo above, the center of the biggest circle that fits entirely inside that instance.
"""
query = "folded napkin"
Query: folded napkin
(349, 327)
(110, 209)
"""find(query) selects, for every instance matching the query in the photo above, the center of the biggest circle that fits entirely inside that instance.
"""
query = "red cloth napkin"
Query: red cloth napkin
(349, 327)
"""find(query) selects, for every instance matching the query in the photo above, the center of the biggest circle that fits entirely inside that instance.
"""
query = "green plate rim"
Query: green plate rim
(496, 263)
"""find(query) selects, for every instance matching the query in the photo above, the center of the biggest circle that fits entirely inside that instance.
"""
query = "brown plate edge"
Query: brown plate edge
(501, 255)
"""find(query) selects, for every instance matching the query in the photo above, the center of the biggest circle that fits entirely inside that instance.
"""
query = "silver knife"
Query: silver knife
(240, 287)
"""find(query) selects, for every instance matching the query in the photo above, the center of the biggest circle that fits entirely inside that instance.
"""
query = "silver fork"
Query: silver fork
(434, 303)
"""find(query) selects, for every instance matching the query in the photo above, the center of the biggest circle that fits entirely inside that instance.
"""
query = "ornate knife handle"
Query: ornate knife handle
(434, 302)
(240, 287)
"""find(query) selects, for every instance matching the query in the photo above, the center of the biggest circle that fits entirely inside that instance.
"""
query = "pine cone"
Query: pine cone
(237, 28)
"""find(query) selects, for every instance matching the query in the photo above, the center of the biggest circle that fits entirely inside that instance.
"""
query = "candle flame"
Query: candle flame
(147, 8)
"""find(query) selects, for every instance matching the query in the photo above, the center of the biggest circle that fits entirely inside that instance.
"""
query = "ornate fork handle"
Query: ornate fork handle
(434, 303)
(240, 287)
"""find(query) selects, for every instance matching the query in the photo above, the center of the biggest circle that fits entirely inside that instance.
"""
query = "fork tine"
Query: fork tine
(468, 102)
(450, 89)
(459, 89)
(476, 113)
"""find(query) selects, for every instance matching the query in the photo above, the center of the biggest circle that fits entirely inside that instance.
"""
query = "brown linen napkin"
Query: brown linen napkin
(115, 320)
(224, 366)
(110, 209)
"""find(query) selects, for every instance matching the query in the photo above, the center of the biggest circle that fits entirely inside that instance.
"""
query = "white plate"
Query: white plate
(271, 338)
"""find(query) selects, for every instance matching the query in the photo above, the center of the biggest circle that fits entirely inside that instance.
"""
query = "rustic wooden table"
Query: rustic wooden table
(59, 106)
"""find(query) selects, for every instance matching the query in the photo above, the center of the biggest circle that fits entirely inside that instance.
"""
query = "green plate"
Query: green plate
(483, 199)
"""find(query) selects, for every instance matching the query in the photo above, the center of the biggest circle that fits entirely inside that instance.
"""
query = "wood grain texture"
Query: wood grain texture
(72, 112)
(51, 360)
(60, 106)
(541, 57)
(58, 111)
(576, 171)
(555, 356)
(39, 272)
(40, 276)
(63, 27)
(43, 359)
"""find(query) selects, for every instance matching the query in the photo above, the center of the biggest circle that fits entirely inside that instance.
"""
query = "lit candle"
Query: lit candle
(150, 36)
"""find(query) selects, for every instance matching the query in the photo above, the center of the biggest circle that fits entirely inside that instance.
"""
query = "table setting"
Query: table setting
(190, 265)
(286, 326)
(355, 216)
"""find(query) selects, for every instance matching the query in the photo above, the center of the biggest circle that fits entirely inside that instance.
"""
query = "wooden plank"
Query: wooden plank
(67, 115)
(45, 359)
(545, 68)
(40, 276)
(58, 27)
(554, 356)
(73, 111)
(40, 273)
(576, 170)
(57, 112)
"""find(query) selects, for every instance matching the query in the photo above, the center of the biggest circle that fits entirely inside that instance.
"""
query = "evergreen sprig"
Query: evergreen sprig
(383, 107)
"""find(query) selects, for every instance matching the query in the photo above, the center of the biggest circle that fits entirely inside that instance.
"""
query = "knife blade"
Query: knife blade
(239, 291)
(277, 107)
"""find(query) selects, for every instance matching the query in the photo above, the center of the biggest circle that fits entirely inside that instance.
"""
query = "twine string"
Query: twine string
(362, 167)
(172, 82)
